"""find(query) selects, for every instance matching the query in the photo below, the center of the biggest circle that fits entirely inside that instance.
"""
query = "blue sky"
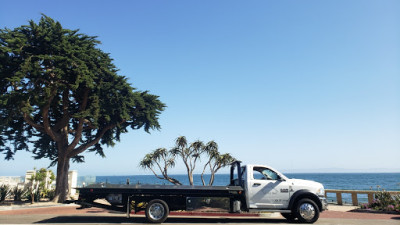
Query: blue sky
(303, 86)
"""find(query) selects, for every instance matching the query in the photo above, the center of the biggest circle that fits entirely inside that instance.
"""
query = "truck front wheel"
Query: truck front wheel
(306, 211)
(157, 211)
(289, 217)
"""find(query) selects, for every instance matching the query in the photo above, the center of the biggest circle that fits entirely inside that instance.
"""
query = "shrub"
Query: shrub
(18, 193)
(4, 192)
(48, 193)
(364, 206)
(31, 193)
(384, 201)
(396, 203)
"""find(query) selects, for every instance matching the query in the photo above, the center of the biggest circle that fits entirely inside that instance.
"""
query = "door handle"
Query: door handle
(256, 184)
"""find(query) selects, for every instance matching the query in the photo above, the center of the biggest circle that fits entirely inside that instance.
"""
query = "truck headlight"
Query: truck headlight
(321, 192)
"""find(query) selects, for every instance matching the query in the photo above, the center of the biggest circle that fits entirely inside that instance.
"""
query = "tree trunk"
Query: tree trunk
(32, 196)
(174, 181)
(212, 177)
(202, 174)
(62, 179)
(190, 176)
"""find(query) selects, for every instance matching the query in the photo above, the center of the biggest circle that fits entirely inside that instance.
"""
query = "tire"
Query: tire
(157, 211)
(306, 211)
(289, 216)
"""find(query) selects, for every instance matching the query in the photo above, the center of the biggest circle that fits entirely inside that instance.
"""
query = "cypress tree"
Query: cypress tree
(61, 93)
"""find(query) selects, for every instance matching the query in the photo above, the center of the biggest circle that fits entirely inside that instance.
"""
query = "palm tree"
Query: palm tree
(162, 160)
(215, 161)
(189, 154)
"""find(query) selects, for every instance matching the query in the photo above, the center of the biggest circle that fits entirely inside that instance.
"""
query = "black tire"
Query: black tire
(306, 211)
(289, 216)
(157, 211)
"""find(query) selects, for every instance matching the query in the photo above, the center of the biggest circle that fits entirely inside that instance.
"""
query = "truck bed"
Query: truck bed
(137, 189)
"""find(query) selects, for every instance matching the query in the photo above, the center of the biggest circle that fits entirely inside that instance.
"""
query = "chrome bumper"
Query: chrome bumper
(324, 203)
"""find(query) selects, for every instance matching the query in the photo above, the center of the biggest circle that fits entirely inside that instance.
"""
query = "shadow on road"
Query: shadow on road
(115, 219)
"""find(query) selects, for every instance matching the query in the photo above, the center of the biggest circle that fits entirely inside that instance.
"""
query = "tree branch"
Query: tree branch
(202, 174)
(155, 174)
(89, 124)
(29, 120)
(65, 119)
(190, 164)
(45, 115)
(78, 133)
(159, 167)
(99, 135)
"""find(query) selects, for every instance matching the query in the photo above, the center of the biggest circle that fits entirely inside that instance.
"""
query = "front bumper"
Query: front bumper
(324, 203)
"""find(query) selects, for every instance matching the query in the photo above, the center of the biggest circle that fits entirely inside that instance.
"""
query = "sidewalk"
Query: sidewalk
(31, 206)
(341, 208)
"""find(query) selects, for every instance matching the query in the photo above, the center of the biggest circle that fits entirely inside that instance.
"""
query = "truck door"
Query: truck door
(267, 190)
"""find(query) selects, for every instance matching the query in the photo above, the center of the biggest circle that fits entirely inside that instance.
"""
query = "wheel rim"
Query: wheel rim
(307, 211)
(156, 211)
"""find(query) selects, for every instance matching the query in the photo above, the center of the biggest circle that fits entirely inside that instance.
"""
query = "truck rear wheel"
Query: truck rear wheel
(157, 211)
(306, 211)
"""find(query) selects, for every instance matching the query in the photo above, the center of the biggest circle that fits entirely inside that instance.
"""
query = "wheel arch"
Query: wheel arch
(300, 194)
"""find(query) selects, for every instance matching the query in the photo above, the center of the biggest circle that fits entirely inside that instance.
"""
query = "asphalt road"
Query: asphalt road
(69, 215)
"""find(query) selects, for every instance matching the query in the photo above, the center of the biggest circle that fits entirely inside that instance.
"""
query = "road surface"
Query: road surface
(69, 215)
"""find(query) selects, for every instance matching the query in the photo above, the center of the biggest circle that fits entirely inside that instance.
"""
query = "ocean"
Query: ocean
(343, 181)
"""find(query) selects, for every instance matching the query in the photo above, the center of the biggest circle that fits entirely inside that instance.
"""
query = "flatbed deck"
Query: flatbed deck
(209, 191)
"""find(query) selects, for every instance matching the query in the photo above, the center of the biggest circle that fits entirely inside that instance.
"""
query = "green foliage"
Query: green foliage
(31, 195)
(397, 203)
(48, 193)
(40, 177)
(216, 161)
(4, 192)
(384, 201)
(18, 193)
(190, 153)
(57, 88)
(40, 184)
(161, 159)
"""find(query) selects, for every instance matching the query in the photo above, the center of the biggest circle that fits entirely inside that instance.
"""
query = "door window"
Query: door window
(261, 173)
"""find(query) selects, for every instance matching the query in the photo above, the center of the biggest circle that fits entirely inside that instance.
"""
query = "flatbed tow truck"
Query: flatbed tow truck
(252, 188)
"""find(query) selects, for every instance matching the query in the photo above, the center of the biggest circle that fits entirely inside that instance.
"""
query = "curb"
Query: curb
(5, 208)
(374, 211)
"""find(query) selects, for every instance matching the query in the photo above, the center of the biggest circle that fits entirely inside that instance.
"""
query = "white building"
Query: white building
(11, 181)
(72, 182)
(21, 182)
(28, 176)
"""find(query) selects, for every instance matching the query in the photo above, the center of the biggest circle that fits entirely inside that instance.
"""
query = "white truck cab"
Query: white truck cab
(266, 189)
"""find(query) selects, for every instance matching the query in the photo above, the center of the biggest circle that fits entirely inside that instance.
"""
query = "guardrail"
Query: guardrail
(354, 193)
